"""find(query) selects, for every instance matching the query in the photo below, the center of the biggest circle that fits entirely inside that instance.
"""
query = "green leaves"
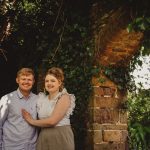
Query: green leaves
(130, 27)
(139, 120)
(140, 23)
(138, 134)
(48, 33)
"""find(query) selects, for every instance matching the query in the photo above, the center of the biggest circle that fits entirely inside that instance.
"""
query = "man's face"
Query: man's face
(25, 82)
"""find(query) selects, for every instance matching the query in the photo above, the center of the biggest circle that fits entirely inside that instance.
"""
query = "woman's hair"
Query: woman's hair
(58, 74)
(25, 71)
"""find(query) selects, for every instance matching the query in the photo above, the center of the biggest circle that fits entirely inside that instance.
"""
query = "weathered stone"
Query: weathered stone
(104, 102)
(104, 91)
(109, 146)
(120, 48)
(109, 124)
(98, 91)
(115, 135)
(96, 116)
(112, 135)
(97, 126)
(123, 116)
(114, 126)
(105, 115)
(98, 136)
(124, 135)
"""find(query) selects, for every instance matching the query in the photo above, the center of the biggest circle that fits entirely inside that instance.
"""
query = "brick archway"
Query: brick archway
(113, 46)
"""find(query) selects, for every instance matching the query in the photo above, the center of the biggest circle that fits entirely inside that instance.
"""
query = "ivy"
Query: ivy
(58, 33)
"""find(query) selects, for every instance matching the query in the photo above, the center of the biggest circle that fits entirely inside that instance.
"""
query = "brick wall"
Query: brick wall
(107, 128)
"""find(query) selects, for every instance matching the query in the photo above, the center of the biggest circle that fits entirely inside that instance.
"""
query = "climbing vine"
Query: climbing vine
(58, 33)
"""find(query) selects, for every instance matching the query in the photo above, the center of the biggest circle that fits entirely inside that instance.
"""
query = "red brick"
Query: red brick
(104, 91)
(109, 146)
(115, 135)
(105, 115)
(112, 135)
(114, 126)
(97, 137)
(123, 116)
(105, 102)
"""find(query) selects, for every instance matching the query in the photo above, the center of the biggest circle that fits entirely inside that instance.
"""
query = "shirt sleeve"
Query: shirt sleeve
(3, 115)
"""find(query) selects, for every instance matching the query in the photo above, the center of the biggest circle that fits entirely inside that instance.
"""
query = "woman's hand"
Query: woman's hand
(27, 116)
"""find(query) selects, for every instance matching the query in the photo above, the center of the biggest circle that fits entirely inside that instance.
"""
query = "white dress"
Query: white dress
(61, 136)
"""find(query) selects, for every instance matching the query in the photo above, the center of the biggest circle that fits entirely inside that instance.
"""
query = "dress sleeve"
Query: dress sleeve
(72, 99)
(72, 106)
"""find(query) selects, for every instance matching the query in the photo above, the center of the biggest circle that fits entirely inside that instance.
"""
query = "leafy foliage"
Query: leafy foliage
(139, 120)
(142, 24)
(57, 33)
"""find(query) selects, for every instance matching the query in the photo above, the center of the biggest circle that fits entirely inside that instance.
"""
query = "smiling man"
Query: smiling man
(15, 132)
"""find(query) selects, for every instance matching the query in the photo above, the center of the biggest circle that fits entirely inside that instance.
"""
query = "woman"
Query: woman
(54, 112)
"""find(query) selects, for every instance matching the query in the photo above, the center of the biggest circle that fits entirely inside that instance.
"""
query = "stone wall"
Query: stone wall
(107, 128)
(114, 46)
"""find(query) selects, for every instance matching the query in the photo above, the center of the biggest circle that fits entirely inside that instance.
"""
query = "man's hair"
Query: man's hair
(25, 71)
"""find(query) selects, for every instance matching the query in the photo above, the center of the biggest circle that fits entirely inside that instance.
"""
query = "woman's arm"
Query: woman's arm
(59, 111)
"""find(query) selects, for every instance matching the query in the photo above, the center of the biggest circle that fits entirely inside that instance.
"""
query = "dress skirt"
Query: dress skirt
(56, 138)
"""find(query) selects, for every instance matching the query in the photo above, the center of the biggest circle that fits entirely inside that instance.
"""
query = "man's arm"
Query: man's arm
(3, 115)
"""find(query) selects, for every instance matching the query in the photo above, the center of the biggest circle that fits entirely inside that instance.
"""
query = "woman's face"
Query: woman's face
(52, 84)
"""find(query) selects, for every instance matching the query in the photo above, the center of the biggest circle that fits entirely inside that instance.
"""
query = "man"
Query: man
(15, 132)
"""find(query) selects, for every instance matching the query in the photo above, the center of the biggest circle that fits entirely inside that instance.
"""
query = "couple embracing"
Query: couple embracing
(37, 122)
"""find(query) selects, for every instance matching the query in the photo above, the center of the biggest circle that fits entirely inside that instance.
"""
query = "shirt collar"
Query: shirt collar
(21, 95)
